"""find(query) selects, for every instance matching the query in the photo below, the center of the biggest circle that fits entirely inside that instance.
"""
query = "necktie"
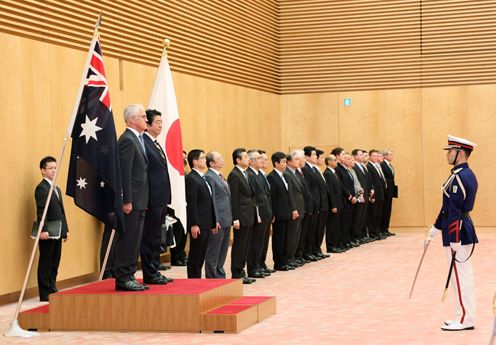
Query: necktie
(224, 182)
(284, 181)
(142, 143)
(160, 149)
(208, 186)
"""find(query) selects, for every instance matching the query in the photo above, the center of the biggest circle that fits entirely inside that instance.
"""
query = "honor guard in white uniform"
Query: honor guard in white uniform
(458, 232)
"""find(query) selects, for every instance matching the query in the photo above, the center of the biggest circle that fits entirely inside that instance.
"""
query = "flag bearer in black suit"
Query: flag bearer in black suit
(159, 198)
(50, 249)
(134, 175)
(284, 211)
(243, 213)
(200, 212)
(336, 205)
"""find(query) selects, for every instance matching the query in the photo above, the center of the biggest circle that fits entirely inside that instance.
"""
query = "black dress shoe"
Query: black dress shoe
(256, 275)
(129, 286)
(289, 267)
(178, 263)
(270, 270)
(390, 233)
(325, 256)
(163, 267)
(44, 299)
(158, 279)
(283, 268)
(247, 280)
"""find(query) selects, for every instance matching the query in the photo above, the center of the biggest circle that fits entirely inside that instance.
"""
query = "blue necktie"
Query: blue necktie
(142, 143)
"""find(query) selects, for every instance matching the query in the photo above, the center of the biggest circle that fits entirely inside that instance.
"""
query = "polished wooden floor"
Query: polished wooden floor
(358, 297)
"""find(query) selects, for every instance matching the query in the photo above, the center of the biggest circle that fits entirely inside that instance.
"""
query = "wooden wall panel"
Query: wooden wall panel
(385, 44)
(229, 41)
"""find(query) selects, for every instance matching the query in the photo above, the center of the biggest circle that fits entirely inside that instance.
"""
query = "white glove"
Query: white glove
(455, 246)
(432, 232)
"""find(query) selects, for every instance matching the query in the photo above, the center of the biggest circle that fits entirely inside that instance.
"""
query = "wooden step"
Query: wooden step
(266, 305)
(229, 318)
(36, 318)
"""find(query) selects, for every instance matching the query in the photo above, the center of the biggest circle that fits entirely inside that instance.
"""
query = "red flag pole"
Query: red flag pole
(16, 330)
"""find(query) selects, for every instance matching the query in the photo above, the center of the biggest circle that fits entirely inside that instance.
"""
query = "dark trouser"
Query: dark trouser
(197, 252)
(279, 232)
(215, 257)
(48, 266)
(255, 248)
(321, 225)
(239, 250)
(293, 238)
(386, 214)
(178, 253)
(375, 216)
(107, 231)
(357, 221)
(333, 230)
(366, 219)
(127, 246)
(305, 224)
(345, 225)
(150, 243)
(311, 234)
(265, 245)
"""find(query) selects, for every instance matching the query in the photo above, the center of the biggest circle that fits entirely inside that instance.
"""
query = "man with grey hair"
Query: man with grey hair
(218, 243)
(264, 215)
(134, 173)
(391, 191)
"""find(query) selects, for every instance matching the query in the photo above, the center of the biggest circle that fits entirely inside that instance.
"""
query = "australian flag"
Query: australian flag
(94, 178)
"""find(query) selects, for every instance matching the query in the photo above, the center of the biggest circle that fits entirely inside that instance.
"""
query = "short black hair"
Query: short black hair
(355, 152)
(262, 152)
(289, 157)
(194, 155)
(46, 160)
(237, 153)
(337, 151)
(277, 157)
(150, 115)
(373, 151)
(467, 152)
(308, 150)
(319, 152)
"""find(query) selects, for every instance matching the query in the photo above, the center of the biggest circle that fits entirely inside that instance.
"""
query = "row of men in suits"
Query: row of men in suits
(301, 203)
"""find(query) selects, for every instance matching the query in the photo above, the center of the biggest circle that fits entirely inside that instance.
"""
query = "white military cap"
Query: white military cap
(459, 143)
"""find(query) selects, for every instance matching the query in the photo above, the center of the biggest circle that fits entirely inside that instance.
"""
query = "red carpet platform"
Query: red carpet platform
(185, 305)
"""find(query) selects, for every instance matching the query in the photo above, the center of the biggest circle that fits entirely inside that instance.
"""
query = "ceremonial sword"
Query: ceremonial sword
(426, 246)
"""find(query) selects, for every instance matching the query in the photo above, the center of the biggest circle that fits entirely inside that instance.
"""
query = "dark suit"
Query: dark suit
(297, 195)
(323, 211)
(264, 205)
(134, 174)
(391, 192)
(312, 182)
(375, 208)
(266, 232)
(347, 190)
(336, 201)
(200, 212)
(360, 209)
(51, 249)
(158, 199)
(307, 218)
(243, 209)
(218, 244)
(282, 206)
